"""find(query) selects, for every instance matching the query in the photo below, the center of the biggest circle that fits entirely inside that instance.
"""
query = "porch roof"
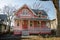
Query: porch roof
(32, 19)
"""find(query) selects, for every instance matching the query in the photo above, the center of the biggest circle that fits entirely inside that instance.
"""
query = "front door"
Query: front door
(25, 24)
(25, 28)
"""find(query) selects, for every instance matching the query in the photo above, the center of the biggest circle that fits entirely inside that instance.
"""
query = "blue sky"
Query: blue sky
(48, 6)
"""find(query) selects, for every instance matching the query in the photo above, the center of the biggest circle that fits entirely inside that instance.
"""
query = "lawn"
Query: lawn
(40, 38)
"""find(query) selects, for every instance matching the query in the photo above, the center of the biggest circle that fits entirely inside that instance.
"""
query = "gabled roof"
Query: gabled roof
(3, 16)
(32, 19)
(27, 7)
(37, 10)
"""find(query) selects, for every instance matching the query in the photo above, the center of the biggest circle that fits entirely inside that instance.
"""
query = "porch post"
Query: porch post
(28, 24)
(33, 23)
(40, 23)
(21, 24)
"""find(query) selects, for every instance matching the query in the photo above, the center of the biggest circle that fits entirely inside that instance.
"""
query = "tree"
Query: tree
(56, 3)
(9, 11)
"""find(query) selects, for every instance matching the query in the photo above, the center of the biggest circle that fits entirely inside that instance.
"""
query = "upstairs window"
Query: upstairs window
(39, 14)
(25, 12)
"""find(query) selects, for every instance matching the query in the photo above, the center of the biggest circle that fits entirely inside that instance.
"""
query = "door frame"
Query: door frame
(24, 23)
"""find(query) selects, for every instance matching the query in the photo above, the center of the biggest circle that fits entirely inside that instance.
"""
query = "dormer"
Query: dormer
(39, 13)
(44, 14)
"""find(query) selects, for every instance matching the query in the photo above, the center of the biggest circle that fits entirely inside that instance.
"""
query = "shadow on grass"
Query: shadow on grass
(18, 37)
(9, 37)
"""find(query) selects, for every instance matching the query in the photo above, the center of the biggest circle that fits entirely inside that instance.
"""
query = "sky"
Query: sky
(48, 6)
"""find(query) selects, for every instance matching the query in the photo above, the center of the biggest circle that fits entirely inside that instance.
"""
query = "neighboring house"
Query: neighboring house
(28, 21)
(53, 24)
(3, 23)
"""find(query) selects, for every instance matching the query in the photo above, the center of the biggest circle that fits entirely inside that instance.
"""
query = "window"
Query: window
(40, 14)
(38, 23)
(25, 12)
(17, 23)
(31, 23)
(5, 27)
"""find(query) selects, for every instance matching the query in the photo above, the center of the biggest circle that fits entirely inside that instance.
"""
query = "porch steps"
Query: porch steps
(25, 33)
(32, 36)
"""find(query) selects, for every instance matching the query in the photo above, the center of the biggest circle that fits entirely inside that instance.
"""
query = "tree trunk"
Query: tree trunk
(58, 27)
(56, 3)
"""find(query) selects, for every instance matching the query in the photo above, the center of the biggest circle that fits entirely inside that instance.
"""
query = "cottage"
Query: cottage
(3, 23)
(31, 21)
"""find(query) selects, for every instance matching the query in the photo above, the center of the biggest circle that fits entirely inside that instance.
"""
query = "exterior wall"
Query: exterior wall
(20, 25)
(48, 24)
(3, 28)
(53, 24)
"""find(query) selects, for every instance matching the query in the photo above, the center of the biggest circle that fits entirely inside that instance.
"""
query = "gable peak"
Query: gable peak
(25, 5)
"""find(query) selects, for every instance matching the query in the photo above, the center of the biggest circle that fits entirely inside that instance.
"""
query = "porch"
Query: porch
(31, 26)
(28, 24)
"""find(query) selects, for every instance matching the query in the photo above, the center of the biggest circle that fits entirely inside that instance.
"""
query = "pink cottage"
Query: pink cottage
(31, 21)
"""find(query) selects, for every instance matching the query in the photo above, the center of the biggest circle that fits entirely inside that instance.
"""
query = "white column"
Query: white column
(40, 23)
(21, 24)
